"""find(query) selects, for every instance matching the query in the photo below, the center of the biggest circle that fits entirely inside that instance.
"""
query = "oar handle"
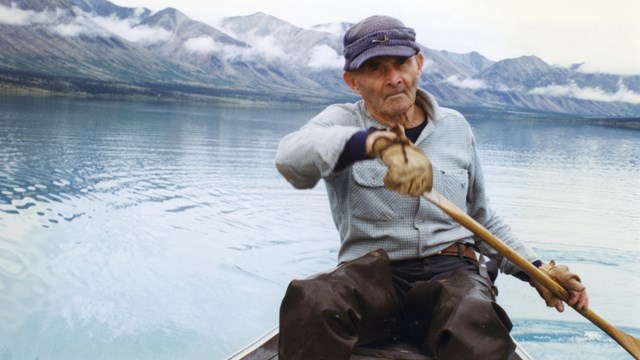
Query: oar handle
(628, 342)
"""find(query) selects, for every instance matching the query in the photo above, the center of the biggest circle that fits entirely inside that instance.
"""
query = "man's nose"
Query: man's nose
(394, 77)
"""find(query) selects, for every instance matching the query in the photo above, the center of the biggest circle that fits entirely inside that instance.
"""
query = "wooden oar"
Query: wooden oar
(628, 342)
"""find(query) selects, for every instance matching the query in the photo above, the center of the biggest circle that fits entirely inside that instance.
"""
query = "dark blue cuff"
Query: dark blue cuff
(354, 150)
(523, 275)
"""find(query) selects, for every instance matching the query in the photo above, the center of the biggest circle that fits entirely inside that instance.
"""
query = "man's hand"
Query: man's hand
(571, 282)
(409, 169)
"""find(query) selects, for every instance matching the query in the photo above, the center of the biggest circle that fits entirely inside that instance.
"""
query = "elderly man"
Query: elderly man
(407, 270)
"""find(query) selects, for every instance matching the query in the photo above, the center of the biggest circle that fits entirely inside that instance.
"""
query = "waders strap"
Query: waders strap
(483, 267)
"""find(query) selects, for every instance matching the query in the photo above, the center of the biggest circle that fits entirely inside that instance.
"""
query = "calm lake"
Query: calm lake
(141, 230)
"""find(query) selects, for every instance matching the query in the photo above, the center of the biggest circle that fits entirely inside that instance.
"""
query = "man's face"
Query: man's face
(387, 84)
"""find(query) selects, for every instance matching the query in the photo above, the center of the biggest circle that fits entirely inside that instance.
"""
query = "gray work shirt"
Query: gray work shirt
(370, 216)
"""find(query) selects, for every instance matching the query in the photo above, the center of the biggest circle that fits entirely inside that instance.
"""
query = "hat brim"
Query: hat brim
(396, 50)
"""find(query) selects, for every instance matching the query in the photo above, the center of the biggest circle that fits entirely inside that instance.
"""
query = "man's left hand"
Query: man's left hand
(578, 296)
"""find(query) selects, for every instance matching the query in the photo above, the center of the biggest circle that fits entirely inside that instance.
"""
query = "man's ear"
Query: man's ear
(350, 79)
(420, 61)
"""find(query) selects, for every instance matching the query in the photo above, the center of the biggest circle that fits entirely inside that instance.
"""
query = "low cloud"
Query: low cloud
(336, 30)
(623, 94)
(74, 29)
(262, 48)
(207, 45)
(324, 57)
(333, 28)
(619, 67)
(82, 23)
(15, 16)
(429, 66)
(202, 44)
(267, 47)
(128, 30)
(466, 83)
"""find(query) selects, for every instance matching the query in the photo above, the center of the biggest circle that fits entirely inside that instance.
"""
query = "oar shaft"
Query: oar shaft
(628, 342)
(467, 221)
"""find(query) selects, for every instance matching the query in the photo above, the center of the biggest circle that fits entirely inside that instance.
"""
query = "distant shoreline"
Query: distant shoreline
(20, 83)
(628, 123)
(531, 115)
(266, 102)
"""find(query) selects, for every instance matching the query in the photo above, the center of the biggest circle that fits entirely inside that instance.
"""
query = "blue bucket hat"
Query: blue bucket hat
(377, 36)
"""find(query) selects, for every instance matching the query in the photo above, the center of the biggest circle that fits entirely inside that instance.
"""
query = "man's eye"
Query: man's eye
(373, 66)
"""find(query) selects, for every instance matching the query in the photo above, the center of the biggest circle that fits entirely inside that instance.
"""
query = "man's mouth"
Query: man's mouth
(393, 95)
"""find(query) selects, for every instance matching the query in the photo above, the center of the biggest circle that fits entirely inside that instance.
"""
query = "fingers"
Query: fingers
(574, 296)
(406, 184)
(583, 301)
(579, 299)
(559, 305)
(570, 281)
(378, 140)
(554, 302)
(415, 187)
(563, 276)
(409, 169)
(549, 299)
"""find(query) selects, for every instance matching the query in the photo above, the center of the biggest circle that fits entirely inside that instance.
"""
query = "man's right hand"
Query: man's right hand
(409, 169)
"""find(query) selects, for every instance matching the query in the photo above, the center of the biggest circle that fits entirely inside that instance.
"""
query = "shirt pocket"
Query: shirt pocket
(368, 197)
(453, 184)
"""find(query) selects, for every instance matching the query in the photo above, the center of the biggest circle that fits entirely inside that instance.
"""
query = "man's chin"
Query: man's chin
(398, 108)
(398, 100)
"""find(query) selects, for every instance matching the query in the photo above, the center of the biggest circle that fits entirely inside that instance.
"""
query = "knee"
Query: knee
(453, 306)
(315, 298)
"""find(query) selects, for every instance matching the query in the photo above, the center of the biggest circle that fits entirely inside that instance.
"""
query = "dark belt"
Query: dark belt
(458, 249)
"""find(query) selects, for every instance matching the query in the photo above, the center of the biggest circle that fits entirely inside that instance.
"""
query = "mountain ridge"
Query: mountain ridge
(261, 58)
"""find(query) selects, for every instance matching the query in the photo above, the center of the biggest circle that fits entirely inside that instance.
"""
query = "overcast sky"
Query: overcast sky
(605, 35)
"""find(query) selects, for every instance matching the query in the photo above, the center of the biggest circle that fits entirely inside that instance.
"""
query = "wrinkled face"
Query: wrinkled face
(387, 84)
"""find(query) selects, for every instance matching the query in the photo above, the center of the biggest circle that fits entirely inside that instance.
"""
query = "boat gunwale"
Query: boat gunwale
(266, 348)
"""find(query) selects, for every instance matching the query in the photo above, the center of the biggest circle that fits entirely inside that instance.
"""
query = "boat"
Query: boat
(266, 348)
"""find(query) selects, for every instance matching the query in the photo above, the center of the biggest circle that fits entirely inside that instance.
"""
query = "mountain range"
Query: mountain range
(97, 48)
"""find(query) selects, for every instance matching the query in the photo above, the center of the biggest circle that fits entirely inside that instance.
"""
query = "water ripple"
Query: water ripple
(126, 223)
